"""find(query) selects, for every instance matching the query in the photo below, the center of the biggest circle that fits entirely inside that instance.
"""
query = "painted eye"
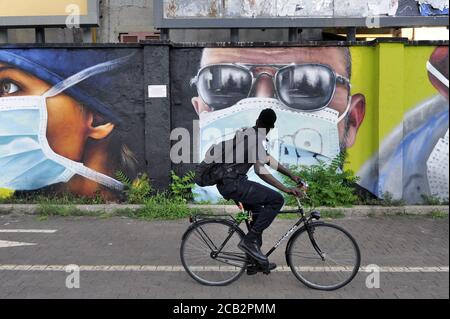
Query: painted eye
(7, 87)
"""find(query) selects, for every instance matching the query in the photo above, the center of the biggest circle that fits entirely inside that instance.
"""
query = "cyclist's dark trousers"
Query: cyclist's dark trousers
(265, 203)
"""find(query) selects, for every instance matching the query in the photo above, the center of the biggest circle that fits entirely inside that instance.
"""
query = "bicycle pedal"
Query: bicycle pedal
(251, 272)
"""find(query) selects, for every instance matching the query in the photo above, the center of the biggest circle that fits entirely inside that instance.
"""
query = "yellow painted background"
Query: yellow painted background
(29, 8)
(393, 77)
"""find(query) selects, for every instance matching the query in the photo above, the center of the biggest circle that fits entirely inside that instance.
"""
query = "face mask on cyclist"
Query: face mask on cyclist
(306, 130)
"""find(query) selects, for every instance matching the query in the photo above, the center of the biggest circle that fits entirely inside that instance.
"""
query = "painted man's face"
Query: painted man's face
(70, 124)
(264, 87)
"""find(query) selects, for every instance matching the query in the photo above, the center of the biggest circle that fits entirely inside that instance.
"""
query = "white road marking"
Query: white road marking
(161, 268)
(37, 231)
(8, 244)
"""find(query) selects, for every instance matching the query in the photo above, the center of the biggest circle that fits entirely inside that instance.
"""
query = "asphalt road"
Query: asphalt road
(125, 258)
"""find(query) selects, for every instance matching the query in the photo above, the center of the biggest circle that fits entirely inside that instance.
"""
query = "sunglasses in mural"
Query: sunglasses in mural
(304, 87)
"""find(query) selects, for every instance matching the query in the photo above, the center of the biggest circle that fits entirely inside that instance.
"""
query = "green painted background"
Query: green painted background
(393, 77)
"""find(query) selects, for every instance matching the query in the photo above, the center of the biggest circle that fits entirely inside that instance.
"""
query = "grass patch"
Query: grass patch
(45, 210)
(47, 199)
(159, 207)
(438, 215)
(433, 215)
(220, 202)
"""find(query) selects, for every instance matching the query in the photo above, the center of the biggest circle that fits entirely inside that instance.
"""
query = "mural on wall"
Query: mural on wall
(70, 119)
(63, 123)
(418, 147)
(326, 104)
(309, 89)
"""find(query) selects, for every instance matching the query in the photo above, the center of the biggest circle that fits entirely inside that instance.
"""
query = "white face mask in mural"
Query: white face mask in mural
(27, 162)
(437, 169)
(299, 138)
(437, 164)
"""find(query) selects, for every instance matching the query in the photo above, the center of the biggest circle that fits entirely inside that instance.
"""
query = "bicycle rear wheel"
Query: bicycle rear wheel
(339, 263)
(209, 252)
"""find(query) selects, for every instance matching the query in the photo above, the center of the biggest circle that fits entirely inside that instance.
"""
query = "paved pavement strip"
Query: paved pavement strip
(127, 258)
(161, 268)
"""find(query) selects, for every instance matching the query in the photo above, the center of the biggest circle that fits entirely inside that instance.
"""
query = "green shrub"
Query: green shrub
(181, 187)
(329, 184)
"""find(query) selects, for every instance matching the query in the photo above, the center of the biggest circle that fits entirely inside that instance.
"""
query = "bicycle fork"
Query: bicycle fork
(310, 231)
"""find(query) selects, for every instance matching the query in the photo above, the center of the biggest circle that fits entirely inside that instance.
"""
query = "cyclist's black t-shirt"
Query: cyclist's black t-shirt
(249, 146)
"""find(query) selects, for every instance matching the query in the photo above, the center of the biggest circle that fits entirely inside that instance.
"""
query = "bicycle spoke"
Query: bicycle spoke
(218, 237)
(206, 239)
(340, 263)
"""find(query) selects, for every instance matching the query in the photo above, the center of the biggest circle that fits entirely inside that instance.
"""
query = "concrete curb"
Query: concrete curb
(355, 211)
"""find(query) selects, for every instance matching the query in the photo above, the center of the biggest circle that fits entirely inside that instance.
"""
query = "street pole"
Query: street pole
(3, 35)
(234, 35)
(40, 35)
(293, 34)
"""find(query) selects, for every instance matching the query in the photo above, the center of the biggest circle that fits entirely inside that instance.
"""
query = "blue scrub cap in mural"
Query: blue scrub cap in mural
(56, 66)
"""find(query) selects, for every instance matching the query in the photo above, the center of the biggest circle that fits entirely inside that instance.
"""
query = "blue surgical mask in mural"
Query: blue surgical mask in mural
(299, 138)
(27, 162)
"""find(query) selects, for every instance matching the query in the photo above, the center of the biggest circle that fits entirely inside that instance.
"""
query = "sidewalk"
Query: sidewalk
(355, 211)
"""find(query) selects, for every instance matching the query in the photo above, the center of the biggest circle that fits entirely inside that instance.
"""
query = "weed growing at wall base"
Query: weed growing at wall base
(137, 191)
(181, 187)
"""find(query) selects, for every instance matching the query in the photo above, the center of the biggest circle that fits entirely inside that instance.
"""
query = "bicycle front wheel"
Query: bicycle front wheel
(210, 255)
(325, 258)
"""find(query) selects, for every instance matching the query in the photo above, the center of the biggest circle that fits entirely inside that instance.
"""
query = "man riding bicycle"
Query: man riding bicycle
(250, 150)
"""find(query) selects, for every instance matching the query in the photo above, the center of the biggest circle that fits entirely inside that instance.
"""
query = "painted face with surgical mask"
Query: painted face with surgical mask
(308, 88)
(47, 137)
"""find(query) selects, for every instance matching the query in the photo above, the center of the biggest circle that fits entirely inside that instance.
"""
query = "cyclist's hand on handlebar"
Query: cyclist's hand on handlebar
(296, 179)
(302, 184)
(294, 191)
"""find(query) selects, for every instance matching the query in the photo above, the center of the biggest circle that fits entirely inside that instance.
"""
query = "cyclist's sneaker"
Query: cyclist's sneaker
(254, 269)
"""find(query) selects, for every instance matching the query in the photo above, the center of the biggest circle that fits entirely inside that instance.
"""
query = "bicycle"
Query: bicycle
(210, 255)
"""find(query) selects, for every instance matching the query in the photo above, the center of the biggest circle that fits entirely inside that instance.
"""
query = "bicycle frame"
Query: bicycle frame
(216, 253)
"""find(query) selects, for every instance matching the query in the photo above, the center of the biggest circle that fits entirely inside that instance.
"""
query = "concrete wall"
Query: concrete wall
(119, 16)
